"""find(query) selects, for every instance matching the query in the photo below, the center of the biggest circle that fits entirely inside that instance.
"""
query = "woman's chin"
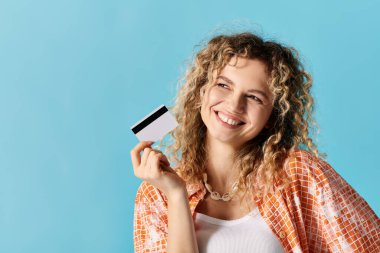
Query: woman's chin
(228, 140)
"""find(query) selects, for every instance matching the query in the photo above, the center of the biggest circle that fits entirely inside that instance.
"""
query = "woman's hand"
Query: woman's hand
(154, 167)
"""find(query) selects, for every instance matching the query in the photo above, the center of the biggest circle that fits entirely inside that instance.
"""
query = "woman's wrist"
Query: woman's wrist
(177, 194)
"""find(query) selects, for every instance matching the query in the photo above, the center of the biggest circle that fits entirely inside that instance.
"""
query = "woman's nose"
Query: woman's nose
(236, 103)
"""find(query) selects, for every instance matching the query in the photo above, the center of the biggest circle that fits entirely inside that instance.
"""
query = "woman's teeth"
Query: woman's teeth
(227, 120)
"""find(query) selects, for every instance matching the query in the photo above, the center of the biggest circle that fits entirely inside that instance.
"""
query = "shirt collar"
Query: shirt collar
(194, 188)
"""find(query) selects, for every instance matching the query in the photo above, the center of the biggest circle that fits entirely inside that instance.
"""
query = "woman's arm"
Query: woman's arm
(329, 210)
(157, 227)
(349, 221)
(181, 235)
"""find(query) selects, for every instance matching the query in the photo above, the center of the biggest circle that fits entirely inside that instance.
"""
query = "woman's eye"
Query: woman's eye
(222, 85)
(254, 98)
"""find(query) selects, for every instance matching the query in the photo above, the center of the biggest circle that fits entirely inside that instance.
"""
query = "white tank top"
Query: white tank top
(247, 234)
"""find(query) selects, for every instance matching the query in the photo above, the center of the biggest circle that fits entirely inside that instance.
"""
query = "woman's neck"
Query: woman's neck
(221, 173)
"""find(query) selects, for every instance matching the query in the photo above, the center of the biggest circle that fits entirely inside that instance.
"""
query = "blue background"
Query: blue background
(75, 75)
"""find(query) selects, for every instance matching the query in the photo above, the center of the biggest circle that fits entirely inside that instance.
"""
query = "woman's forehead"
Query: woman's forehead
(247, 72)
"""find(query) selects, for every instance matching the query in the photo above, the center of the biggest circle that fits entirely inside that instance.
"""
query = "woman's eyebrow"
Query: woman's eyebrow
(251, 90)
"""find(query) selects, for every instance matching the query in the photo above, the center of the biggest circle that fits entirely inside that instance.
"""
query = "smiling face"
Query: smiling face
(238, 105)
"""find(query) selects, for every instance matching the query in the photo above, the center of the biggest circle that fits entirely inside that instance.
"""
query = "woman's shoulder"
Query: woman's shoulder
(303, 156)
(304, 165)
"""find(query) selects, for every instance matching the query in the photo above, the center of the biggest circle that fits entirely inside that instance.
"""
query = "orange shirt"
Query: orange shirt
(318, 212)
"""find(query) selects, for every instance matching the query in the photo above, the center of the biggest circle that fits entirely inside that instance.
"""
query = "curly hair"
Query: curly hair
(260, 160)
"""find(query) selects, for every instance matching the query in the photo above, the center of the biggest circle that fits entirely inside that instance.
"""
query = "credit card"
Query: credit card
(155, 125)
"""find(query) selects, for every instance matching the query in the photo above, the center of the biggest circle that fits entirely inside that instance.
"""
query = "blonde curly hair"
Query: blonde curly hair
(260, 160)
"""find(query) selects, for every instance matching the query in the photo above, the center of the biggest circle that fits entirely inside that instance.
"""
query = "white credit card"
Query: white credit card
(155, 125)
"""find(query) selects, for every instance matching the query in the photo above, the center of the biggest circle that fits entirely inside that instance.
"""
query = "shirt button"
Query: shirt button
(282, 234)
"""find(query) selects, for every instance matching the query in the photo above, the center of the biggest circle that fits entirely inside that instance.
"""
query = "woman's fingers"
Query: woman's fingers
(150, 163)
(163, 159)
(135, 153)
(145, 155)
(156, 152)
(152, 166)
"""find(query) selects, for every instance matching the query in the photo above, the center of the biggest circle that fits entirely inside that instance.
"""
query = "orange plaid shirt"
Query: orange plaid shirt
(318, 212)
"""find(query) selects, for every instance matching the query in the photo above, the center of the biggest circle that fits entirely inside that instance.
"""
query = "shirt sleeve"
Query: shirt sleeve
(150, 222)
(348, 223)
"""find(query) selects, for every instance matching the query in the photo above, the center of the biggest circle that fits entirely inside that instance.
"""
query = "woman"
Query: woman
(241, 182)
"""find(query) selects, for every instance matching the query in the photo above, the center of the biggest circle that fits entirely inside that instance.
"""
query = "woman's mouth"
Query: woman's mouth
(228, 122)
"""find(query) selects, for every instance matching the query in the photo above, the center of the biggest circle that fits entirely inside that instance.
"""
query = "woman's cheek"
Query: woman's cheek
(216, 95)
